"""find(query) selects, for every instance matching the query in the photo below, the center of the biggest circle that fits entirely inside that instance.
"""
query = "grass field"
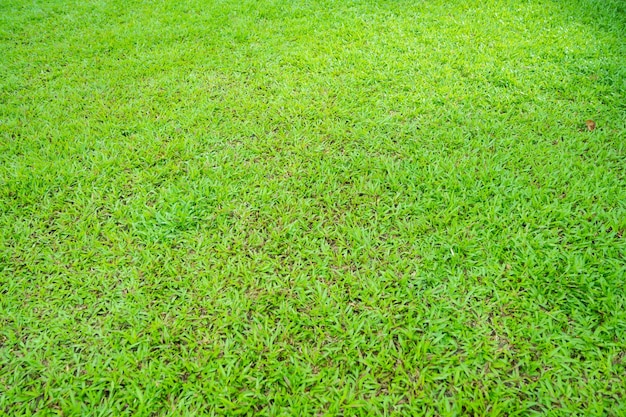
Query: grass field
(273, 207)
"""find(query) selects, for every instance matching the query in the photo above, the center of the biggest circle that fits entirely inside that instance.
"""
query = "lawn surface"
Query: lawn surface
(300, 207)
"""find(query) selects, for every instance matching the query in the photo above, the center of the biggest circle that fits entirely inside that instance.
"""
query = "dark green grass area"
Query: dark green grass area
(300, 207)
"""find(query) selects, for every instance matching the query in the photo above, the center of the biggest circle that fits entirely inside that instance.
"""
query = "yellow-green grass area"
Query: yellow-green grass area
(302, 207)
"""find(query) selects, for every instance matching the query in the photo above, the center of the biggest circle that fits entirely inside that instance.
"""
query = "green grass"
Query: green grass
(274, 207)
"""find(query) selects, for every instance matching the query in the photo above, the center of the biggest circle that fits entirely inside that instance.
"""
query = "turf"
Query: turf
(300, 207)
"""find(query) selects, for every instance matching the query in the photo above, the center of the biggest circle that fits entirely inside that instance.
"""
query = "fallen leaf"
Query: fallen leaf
(591, 125)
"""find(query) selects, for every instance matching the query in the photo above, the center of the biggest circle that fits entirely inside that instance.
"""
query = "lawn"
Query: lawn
(333, 207)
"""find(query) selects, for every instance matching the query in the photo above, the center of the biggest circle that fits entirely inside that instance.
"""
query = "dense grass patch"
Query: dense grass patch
(312, 207)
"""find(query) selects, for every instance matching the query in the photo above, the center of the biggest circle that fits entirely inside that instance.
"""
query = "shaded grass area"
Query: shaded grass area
(295, 208)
